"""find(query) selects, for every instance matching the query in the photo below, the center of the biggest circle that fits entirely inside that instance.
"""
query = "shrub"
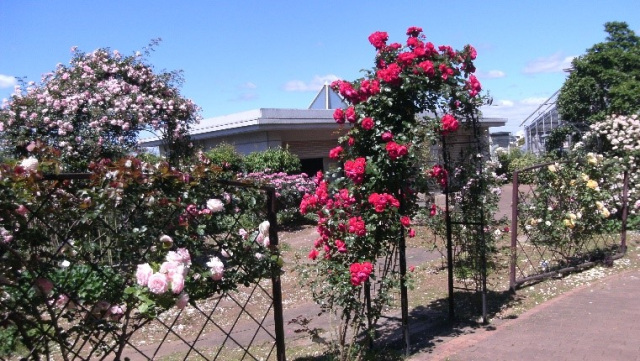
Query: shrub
(226, 156)
(272, 160)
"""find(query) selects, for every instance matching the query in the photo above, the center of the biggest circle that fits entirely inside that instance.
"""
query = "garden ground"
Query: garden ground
(548, 315)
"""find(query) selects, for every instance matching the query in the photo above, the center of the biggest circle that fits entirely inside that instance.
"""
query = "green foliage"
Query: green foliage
(513, 160)
(226, 157)
(605, 80)
(273, 160)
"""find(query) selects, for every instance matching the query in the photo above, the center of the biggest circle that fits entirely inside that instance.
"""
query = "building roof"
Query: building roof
(319, 115)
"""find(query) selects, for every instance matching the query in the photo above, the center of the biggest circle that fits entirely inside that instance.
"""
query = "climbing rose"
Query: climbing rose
(351, 115)
(158, 283)
(338, 116)
(217, 268)
(440, 174)
(335, 152)
(396, 150)
(360, 272)
(391, 74)
(379, 39)
(354, 170)
(367, 123)
(414, 31)
(143, 273)
(449, 124)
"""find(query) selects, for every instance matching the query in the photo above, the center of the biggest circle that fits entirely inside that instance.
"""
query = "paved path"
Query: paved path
(600, 322)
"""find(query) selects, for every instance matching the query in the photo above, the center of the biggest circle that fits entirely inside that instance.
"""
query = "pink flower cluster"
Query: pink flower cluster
(381, 201)
(449, 124)
(360, 272)
(170, 276)
(439, 174)
(354, 169)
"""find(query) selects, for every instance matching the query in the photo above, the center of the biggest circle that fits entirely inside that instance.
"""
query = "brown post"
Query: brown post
(514, 232)
(278, 316)
(625, 211)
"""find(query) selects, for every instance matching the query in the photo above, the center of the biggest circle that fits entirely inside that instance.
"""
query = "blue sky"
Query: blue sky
(242, 55)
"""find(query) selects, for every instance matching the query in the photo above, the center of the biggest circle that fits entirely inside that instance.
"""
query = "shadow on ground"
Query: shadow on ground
(430, 325)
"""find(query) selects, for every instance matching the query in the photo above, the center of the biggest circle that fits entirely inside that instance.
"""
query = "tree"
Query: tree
(94, 108)
(605, 80)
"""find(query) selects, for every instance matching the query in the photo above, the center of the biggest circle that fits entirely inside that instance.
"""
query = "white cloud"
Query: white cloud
(314, 85)
(492, 74)
(551, 64)
(7, 81)
(248, 85)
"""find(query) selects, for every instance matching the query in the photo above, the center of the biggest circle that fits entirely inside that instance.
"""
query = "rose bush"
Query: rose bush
(95, 107)
(112, 252)
(366, 208)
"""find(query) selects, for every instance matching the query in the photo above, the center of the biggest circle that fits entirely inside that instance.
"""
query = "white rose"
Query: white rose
(30, 164)
(215, 205)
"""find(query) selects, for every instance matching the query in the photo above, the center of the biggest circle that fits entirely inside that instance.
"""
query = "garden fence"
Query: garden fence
(246, 323)
(534, 258)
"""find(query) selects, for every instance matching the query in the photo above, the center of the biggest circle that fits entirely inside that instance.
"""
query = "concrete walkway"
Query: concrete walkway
(600, 322)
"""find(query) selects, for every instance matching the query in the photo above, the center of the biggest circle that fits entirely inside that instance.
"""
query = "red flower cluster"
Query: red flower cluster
(414, 31)
(367, 123)
(427, 68)
(367, 89)
(357, 226)
(473, 85)
(379, 39)
(433, 211)
(396, 150)
(380, 201)
(390, 74)
(449, 124)
(440, 174)
(354, 169)
(445, 71)
(360, 272)
(335, 152)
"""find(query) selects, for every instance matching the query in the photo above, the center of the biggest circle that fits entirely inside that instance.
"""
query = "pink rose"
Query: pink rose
(387, 136)
(182, 301)
(177, 282)
(158, 283)
(22, 210)
(143, 273)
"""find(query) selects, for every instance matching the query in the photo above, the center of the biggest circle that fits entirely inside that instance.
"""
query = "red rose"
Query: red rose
(390, 74)
(313, 254)
(338, 116)
(412, 233)
(433, 210)
(406, 59)
(351, 141)
(449, 124)
(367, 123)
(445, 71)
(379, 39)
(351, 115)
(341, 246)
(427, 68)
(335, 152)
(414, 43)
(414, 31)
(405, 221)
(387, 136)
(473, 85)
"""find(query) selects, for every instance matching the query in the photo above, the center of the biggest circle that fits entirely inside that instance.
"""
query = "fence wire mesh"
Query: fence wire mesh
(550, 235)
(70, 260)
